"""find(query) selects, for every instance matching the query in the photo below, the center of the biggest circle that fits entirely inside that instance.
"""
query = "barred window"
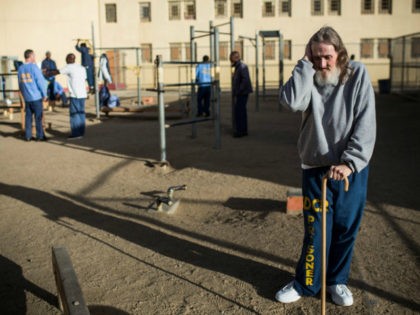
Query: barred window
(385, 6)
(174, 10)
(269, 8)
(223, 51)
(146, 52)
(317, 7)
(176, 51)
(383, 48)
(145, 12)
(237, 8)
(287, 49)
(220, 8)
(334, 7)
(285, 7)
(111, 12)
(368, 7)
(416, 6)
(366, 48)
(415, 47)
(270, 50)
(239, 47)
(189, 9)
(187, 49)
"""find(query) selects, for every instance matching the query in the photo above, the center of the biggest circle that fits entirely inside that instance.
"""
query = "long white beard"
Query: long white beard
(332, 77)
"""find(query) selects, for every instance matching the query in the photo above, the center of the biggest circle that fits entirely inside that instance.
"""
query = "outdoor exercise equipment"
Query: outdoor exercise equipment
(254, 42)
(136, 69)
(215, 88)
(7, 102)
(160, 89)
(272, 34)
(324, 239)
(168, 203)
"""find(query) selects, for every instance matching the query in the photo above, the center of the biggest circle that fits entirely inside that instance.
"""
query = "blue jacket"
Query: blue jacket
(241, 81)
(31, 82)
(87, 59)
(203, 74)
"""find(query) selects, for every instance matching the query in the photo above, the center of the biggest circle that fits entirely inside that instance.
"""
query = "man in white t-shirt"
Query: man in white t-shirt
(76, 79)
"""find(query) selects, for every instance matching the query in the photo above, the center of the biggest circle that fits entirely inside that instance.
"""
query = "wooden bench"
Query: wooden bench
(70, 294)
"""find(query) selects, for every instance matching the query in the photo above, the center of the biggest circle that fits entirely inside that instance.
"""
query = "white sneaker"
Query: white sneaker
(340, 294)
(288, 294)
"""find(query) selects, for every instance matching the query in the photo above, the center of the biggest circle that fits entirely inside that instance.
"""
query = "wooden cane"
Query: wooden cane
(324, 239)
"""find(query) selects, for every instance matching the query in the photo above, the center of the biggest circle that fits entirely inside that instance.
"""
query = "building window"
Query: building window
(174, 10)
(287, 49)
(366, 48)
(176, 51)
(220, 8)
(270, 50)
(237, 8)
(385, 6)
(415, 47)
(285, 7)
(145, 12)
(187, 50)
(239, 47)
(189, 10)
(268, 8)
(383, 48)
(368, 7)
(416, 6)
(334, 7)
(146, 52)
(317, 7)
(223, 51)
(111, 12)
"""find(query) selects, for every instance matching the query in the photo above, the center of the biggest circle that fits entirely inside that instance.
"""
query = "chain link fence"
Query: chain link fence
(405, 64)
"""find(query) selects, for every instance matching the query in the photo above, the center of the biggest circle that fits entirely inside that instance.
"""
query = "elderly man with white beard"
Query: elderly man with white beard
(337, 138)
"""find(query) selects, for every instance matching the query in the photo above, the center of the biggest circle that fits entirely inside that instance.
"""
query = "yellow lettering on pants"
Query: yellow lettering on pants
(309, 265)
(317, 204)
(311, 219)
(306, 203)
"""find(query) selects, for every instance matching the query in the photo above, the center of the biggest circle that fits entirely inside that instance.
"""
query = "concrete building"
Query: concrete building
(147, 28)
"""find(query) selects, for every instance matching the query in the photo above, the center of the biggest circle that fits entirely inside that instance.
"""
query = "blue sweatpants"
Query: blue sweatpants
(203, 100)
(90, 77)
(33, 108)
(77, 116)
(344, 214)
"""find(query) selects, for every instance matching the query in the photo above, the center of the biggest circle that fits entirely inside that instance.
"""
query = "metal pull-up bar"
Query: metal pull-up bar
(160, 89)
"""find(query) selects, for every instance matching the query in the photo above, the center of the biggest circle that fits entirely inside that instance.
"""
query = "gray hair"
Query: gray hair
(330, 36)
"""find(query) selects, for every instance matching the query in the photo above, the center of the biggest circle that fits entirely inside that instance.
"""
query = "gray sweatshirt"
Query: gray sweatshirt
(338, 122)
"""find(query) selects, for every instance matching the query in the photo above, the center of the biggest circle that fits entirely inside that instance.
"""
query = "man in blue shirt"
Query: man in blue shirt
(87, 62)
(47, 67)
(33, 89)
(203, 79)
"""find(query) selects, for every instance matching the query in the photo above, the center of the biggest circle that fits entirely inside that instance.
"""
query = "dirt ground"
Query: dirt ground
(229, 246)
